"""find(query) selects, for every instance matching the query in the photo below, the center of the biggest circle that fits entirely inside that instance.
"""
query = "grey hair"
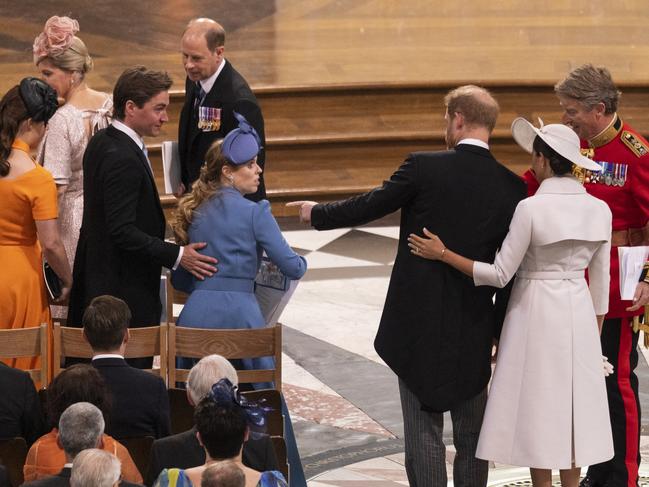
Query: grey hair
(80, 427)
(95, 468)
(207, 372)
(590, 85)
(223, 474)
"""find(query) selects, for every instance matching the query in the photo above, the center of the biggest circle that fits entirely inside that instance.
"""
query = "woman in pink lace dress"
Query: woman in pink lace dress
(63, 61)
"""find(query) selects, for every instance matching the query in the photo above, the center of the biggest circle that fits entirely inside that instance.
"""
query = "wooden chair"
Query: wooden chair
(271, 399)
(27, 342)
(13, 452)
(181, 412)
(140, 451)
(231, 344)
(173, 297)
(279, 445)
(143, 342)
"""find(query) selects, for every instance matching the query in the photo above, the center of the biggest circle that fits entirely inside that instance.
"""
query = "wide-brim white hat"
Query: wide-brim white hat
(560, 137)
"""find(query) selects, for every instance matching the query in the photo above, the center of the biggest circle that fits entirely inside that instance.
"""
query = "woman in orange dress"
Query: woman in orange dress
(28, 213)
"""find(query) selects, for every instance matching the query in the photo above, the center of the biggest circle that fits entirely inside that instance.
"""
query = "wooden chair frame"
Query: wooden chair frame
(143, 342)
(27, 342)
(231, 344)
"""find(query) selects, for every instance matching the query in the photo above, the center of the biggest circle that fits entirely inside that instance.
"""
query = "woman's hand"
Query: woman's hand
(429, 248)
(65, 294)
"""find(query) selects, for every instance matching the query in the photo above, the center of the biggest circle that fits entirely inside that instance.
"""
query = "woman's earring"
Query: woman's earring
(231, 179)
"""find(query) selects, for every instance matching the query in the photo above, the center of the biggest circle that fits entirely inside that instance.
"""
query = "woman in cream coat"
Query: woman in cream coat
(547, 404)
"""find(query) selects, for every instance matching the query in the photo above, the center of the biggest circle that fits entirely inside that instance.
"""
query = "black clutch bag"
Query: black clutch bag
(52, 281)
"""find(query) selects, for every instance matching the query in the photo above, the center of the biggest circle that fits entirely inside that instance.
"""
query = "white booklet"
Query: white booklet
(171, 166)
(632, 260)
(273, 291)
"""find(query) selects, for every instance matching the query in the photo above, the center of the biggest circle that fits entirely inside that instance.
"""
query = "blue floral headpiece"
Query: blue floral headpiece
(241, 144)
(225, 394)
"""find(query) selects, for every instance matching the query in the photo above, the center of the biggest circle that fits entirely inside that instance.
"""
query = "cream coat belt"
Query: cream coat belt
(550, 275)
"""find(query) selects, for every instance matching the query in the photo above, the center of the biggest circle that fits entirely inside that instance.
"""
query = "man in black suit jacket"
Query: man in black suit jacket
(20, 408)
(140, 404)
(437, 328)
(81, 427)
(214, 90)
(183, 450)
(121, 248)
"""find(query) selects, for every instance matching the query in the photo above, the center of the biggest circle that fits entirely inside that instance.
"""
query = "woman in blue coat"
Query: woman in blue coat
(237, 231)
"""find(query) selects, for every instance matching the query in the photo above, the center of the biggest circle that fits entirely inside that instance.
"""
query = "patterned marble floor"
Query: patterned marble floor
(343, 399)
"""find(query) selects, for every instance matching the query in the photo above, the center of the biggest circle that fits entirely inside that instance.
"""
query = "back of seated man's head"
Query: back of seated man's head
(105, 323)
(96, 468)
(223, 474)
(207, 372)
(80, 427)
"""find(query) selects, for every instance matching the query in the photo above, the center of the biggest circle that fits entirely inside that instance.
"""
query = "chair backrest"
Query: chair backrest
(279, 445)
(27, 342)
(13, 452)
(231, 344)
(143, 342)
(140, 451)
(173, 296)
(270, 399)
(180, 411)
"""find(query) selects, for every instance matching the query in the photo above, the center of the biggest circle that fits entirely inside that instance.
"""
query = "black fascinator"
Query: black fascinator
(39, 98)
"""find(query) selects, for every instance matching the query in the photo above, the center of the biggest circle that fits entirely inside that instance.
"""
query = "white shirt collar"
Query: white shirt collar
(122, 127)
(67, 465)
(107, 355)
(478, 142)
(208, 83)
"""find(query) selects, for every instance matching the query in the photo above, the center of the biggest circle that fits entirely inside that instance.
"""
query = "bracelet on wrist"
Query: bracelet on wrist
(441, 256)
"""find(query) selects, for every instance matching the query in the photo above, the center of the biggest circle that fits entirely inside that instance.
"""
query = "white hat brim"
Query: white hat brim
(524, 134)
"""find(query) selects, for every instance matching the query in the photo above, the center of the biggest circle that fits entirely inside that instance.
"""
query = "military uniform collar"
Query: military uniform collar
(609, 133)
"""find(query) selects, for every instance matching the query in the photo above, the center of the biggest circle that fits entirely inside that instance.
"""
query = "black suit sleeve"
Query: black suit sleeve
(32, 416)
(394, 194)
(122, 181)
(155, 466)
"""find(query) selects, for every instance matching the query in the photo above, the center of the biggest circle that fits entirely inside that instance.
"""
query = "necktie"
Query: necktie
(200, 96)
(146, 155)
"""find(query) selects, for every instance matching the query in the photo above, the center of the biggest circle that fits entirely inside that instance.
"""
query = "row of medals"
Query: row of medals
(209, 118)
(612, 174)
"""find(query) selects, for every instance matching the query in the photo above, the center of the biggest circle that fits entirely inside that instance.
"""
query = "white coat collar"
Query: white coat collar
(561, 185)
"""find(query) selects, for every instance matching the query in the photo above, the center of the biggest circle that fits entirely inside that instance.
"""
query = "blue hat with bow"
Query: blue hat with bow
(242, 144)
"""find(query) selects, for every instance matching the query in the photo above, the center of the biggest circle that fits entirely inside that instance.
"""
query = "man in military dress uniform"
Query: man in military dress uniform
(589, 99)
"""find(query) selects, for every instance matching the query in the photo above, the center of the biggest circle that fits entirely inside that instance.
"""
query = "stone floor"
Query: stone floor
(343, 399)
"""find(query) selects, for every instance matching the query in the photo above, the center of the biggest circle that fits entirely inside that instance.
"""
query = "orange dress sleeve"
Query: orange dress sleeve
(44, 458)
(42, 193)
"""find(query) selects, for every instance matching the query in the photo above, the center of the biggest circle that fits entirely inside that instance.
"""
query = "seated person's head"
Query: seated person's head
(223, 474)
(80, 427)
(221, 423)
(96, 468)
(105, 324)
(207, 372)
(79, 383)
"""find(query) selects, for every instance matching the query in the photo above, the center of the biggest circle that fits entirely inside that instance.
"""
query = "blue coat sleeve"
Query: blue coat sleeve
(269, 236)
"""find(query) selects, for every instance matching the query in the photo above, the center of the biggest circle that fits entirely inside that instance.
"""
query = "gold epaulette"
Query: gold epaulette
(637, 146)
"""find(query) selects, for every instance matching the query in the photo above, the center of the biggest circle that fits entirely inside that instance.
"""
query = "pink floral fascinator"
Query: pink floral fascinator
(56, 37)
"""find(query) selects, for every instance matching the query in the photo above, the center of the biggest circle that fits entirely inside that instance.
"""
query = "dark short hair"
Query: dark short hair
(105, 322)
(222, 428)
(138, 84)
(78, 383)
(215, 37)
(559, 164)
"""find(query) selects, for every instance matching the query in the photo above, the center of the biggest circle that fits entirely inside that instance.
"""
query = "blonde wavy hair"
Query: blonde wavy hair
(205, 187)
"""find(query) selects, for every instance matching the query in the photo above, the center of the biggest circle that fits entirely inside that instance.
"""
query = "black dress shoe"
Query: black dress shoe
(588, 481)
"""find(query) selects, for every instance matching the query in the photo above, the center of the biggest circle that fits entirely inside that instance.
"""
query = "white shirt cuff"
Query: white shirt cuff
(180, 256)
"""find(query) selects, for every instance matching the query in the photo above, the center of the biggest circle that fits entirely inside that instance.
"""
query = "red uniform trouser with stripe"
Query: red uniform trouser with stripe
(619, 344)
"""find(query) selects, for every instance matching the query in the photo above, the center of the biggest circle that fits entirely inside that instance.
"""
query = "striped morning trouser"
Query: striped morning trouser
(619, 344)
(425, 450)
